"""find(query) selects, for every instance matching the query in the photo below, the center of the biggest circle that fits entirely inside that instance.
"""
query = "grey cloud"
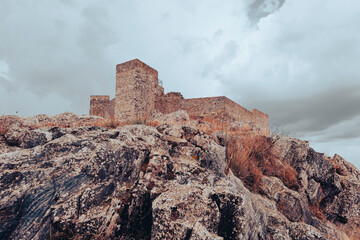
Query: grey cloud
(343, 131)
(230, 52)
(5, 83)
(316, 112)
(48, 53)
(258, 9)
(218, 33)
(95, 33)
(70, 3)
(349, 133)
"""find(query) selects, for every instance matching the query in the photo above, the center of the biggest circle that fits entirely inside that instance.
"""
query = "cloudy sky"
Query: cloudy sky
(298, 60)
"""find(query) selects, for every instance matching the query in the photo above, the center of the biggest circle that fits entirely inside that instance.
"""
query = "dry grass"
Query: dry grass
(153, 123)
(249, 157)
(338, 169)
(3, 128)
(316, 211)
(240, 154)
(112, 123)
(107, 123)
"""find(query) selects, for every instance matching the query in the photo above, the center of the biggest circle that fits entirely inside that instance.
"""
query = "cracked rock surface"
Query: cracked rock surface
(169, 182)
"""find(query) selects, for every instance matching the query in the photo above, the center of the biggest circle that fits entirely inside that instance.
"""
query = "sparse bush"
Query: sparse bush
(108, 123)
(316, 211)
(278, 130)
(153, 123)
(240, 154)
(3, 128)
(249, 157)
(338, 169)
(111, 123)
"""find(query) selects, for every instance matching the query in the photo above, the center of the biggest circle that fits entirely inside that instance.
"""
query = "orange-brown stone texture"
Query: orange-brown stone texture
(138, 93)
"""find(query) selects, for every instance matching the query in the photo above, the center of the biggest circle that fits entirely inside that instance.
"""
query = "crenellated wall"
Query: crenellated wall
(138, 93)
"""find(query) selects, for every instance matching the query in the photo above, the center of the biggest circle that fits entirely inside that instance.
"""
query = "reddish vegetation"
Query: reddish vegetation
(316, 211)
(337, 167)
(3, 127)
(108, 123)
(249, 158)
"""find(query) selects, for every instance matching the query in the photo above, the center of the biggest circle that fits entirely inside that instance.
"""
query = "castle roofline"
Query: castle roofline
(133, 64)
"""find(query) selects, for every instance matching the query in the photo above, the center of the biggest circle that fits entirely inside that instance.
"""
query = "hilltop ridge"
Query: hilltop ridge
(170, 177)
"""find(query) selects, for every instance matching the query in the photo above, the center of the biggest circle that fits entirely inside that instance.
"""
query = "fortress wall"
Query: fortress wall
(238, 113)
(221, 109)
(209, 107)
(171, 102)
(100, 105)
(262, 120)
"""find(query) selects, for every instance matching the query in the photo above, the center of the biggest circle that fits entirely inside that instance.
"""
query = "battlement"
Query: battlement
(138, 93)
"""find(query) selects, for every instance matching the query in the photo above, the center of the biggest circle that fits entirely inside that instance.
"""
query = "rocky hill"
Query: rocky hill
(71, 177)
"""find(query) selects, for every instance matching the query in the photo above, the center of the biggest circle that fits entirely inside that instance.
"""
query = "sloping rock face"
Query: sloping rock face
(168, 182)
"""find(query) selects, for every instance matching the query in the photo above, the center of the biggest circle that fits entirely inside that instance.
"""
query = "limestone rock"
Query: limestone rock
(169, 182)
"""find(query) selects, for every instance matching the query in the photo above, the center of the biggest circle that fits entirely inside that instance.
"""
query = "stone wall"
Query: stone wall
(171, 102)
(208, 107)
(235, 112)
(220, 109)
(100, 105)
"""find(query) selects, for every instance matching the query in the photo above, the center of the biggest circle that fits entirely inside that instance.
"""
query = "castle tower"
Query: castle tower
(136, 89)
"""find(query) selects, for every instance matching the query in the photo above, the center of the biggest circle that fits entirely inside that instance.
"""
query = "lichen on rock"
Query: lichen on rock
(172, 181)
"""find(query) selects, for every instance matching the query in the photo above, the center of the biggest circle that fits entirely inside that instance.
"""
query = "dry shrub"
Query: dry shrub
(338, 169)
(153, 123)
(3, 128)
(108, 123)
(240, 154)
(316, 211)
(289, 176)
(249, 157)
(50, 125)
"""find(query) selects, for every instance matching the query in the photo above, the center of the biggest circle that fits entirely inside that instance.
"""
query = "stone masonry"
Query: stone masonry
(138, 94)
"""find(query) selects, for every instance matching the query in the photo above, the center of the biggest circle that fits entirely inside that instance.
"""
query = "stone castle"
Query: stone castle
(138, 94)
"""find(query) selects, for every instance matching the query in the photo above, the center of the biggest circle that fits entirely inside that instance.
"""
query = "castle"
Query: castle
(138, 94)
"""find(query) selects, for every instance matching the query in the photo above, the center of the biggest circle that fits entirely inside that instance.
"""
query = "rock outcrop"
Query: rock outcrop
(171, 181)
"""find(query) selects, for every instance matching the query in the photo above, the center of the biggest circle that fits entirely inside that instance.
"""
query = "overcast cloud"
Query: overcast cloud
(296, 60)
